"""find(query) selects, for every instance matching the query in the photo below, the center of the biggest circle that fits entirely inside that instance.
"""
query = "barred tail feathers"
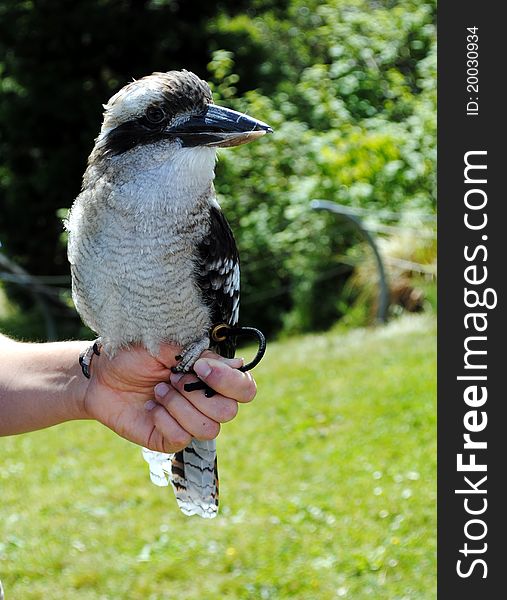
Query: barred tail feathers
(193, 475)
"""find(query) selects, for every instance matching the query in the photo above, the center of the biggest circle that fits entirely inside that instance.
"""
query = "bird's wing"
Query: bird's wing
(219, 275)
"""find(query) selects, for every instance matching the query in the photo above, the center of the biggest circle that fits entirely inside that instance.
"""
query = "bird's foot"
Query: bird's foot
(187, 360)
(190, 354)
(85, 358)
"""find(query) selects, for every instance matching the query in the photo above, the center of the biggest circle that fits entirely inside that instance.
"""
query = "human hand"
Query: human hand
(128, 394)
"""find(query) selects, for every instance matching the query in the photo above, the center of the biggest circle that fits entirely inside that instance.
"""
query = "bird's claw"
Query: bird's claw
(199, 385)
(85, 358)
(189, 355)
(187, 359)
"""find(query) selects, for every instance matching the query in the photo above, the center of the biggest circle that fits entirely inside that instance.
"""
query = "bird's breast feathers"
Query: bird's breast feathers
(134, 282)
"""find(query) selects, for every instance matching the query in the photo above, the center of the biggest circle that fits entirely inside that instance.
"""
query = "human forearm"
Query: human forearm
(40, 385)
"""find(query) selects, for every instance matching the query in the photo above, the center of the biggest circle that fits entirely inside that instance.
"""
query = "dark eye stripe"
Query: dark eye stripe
(131, 134)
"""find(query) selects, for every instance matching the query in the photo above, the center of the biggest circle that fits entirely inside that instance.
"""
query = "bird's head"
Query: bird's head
(177, 107)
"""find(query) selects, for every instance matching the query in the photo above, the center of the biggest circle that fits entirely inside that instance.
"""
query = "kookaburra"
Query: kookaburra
(153, 259)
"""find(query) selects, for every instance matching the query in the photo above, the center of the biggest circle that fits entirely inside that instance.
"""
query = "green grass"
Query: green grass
(328, 489)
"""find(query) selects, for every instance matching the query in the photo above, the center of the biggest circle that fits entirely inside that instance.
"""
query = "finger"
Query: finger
(168, 436)
(225, 380)
(218, 408)
(235, 363)
(186, 414)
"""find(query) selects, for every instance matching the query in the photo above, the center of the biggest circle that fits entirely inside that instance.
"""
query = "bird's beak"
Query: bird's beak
(218, 126)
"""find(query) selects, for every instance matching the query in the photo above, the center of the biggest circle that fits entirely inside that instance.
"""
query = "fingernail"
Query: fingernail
(150, 405)
(175, 377)
(161, 389)
(202, 368)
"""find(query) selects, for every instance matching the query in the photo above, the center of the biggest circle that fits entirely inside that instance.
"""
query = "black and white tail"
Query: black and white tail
(193, 475)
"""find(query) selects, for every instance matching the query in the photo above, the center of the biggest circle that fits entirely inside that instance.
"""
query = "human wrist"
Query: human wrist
(77, 383)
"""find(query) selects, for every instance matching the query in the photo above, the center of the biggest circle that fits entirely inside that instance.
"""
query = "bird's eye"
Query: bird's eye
(154, 114)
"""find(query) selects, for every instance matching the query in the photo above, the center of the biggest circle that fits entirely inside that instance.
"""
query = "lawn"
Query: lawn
(328, 489)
